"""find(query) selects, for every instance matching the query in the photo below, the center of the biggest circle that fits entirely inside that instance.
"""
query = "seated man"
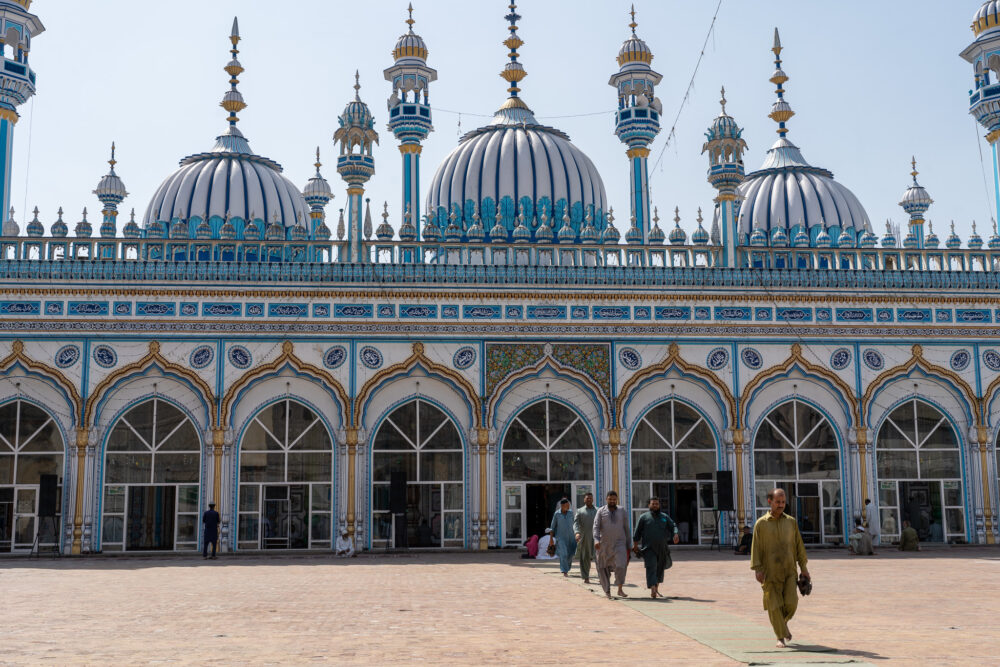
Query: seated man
(908, 539)
(543, 546)
(345, 545)
(860, 542)
(746, 541)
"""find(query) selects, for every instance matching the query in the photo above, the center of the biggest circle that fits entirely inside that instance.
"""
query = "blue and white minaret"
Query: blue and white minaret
(916, 201)
(356, 166)
(17, 79)
(725, 146)
(637, 121)
(111, 192)
(984, 98)
(409, 109)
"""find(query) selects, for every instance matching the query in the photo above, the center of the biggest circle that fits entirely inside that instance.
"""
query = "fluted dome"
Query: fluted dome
(987, 17)
(410, 45)
(788, 188)
(511, 160)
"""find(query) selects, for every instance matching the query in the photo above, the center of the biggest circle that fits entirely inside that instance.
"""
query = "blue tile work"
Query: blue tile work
(123, 308)
(732, 313)
(53, 307)
(255, 310)
(287, 310)
(514, 312)
(546, 312)
(610, 312)
(88, 308)
(972, 315)
(449, 312)
(794, 315)
(855, 315)
(578, 312)
(642, 313)
(221, 309)
(703, 313)
(407, 311)
(942, 315)
(824, 314)
(386, 310)
(321, 310)
(189, 309)
(155, 309)
(20, 308)
(673, 313)
(763, 314)
(913, 315)
(346, 310)
(883, 314)
(481, 312)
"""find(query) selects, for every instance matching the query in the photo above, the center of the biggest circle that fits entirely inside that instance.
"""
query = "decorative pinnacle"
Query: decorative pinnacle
(513, 72)
(410, 20)
(633, 24)
(781, 112)
(722, 101)
(914, 172)
(677, 216)
(357, 86)
(232, 101)
(112, 161)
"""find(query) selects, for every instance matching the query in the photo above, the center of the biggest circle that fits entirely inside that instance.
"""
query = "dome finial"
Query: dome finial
(317, 164)
(513, 72)
(357, 86)
(232, 101)
(112, 161)
(633, 24)
(410, 20)
(781, 112)
(722, 100)
(914, 172)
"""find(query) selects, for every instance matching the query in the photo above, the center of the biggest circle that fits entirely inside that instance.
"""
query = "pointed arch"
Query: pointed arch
(286, 358)
(152, 358)
(794, 360)
(417, 358)
(918, 362)
(48, 373)
(674, 360)
(988, 397)
(567, 372)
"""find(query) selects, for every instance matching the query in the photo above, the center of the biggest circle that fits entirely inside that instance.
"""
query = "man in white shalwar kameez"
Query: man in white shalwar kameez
(345, 545)
(543, 546)
(612, 542)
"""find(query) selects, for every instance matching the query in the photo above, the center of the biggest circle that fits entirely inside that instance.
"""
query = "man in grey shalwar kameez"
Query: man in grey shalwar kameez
(583, 529)
(612, 541)
(562, 532)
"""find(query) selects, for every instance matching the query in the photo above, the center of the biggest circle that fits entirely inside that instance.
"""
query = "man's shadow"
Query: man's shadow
(819, 648)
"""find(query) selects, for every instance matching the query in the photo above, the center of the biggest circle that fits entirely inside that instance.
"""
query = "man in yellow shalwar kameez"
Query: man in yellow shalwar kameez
(777, 548)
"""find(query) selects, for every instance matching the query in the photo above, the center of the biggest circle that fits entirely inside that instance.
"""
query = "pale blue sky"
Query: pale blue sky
(871, 83)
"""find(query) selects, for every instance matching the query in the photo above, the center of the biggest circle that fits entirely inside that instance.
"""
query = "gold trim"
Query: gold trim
(483, 440)
(82, 438)
(9, 116)
(354, 190)
(615, 441)
(351, 435)
(637, 151)
(218, 440)
(17, 355)
(152, 357)
(414, 149)
(993, 136)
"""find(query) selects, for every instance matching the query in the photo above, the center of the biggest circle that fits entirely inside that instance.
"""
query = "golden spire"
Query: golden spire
(723, 101)
(357, 86)
(232, 101)
(914, 172)
(633, 24)
(781, 112)
(112, 161)
(410, 20)
(513, 72)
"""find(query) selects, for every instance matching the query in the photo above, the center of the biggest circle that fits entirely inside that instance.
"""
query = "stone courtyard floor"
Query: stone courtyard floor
(935, 607)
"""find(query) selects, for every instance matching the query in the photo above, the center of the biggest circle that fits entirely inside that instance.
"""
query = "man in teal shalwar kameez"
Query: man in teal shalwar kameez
(562, 531)
(653, 531)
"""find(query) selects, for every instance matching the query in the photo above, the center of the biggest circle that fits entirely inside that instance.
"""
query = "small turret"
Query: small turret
(35, 228)
(111, 192)
(83, 228)
(677, 235)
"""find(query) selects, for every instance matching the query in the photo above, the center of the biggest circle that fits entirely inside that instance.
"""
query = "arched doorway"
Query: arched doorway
(920, 474)
(547, 453)
(286, 477)
(795, 448)
(31, 447)
(422, 444)
(673, 454)
(152, 471)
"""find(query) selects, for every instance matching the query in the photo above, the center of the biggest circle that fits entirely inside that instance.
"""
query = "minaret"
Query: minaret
(409, 108)
(110, 191)
(725, 146)
(357, 130)
(17, 79)
(637, 121)
(916, 201)
(984, 98)
(317, 194)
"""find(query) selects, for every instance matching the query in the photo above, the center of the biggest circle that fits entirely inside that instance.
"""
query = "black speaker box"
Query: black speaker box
(724, 490)
(397, 492)
(48, 495)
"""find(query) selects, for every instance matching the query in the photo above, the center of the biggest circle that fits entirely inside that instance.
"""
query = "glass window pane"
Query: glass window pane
(187, 499)
(381, 526)
(167, 419)
(512, 526)
(114, 499)
(896, 464)
(822, 464)
(440, 466)
(8, 422)
(321, 527)
(274, 418)
(32, 419)
(187, 527)
(761, 489)
(141, 419)
(770, 438)
(833, 526)
(124, 439)
(517, 438)
(890, 437)
(405, 419)
(953, 494)
(310, 466)
(652, 465)
(533, 418)
(941, 437)
(524, 466)
(576, 437)
(46, 440)
(262, 467)
(939, 464)
(389, 438)
(249, 497)
(928, 418)
(831, 494)
(560, 417)
(453, 497)
(453, 526)
(380, 498)
(887, 494)
(956, 520)
(903, 418)
(646, 438)
(640, 490)
(249, 524)
(316, 438)
(806, 420)
(113, 529)
(779, 465)
(782, 419)
(6, 468)
(184, 439)
(129, 469)
(176, 467)
(684, 419)
(658, 419)
(571, 466)
(256, 439)
(691, 464)
(383, 464)
(822, 438)
(321, 498)
(446, 438)
(430, 419)
(889, 520)
(299, 419)
(700, 438)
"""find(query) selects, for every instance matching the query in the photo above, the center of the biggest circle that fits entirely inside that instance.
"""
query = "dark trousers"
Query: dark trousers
(656, 562)
(204, 549)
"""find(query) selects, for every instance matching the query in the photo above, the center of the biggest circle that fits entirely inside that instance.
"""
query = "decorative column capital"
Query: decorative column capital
(993, 136)
(637, 151)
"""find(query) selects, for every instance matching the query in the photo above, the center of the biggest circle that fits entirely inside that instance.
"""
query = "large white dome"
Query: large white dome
(514, 159)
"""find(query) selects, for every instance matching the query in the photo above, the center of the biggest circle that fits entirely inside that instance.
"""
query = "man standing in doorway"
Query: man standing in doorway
(583, 530)
(211, 520)
(653, 529)
(562, 533)
(777, 547)
(874, 525)
(612, 542)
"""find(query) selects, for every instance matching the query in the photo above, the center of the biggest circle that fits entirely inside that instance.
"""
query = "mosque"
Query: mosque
(439, 378)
